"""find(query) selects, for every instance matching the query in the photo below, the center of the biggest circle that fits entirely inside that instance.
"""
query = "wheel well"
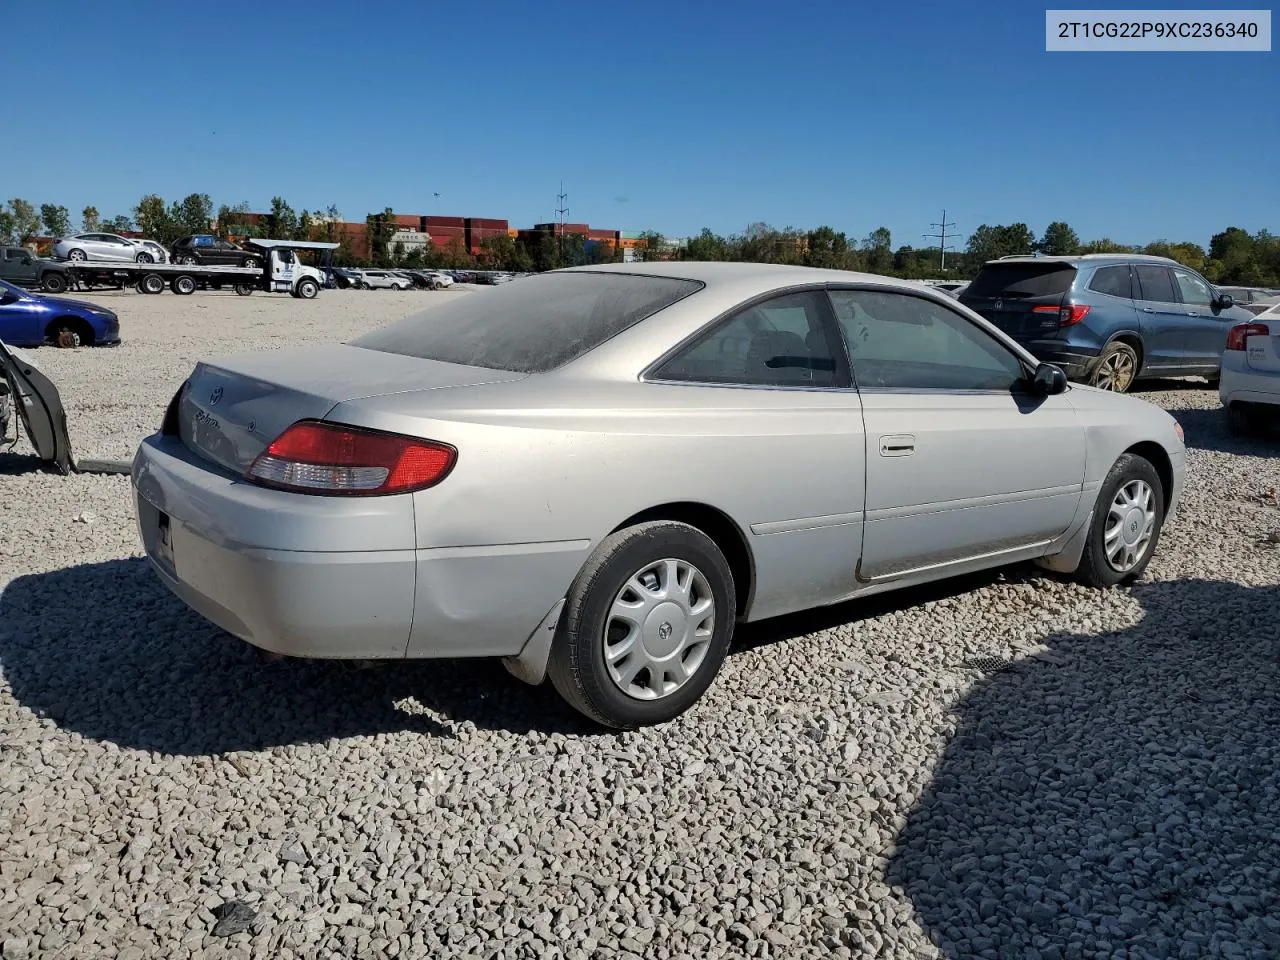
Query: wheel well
(721, 529)
(1156, 455)
(78, 324)
(1133, 340)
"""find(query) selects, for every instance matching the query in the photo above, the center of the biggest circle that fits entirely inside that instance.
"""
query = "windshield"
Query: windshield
(532, 326)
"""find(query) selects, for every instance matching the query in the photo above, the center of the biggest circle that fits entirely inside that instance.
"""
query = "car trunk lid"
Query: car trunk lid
(232, 408)
(1007, 294)
(1263, 353)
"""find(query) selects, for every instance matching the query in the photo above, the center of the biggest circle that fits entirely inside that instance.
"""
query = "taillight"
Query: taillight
(1241, 332)
(329, 458)
(1068, 314)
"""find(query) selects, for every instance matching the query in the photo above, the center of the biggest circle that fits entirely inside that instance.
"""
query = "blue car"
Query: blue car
(1109, 319)
(29, 319)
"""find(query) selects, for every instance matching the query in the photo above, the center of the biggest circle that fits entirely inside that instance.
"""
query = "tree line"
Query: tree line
(1234, 256)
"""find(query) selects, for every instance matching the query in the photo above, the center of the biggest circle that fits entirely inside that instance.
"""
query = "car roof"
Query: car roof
(1086, 259)
(745, 276)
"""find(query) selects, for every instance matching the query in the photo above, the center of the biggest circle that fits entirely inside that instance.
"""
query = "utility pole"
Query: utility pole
(562, 213)
(941, 237)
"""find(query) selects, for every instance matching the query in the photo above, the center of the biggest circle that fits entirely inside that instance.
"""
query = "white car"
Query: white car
(1250, 379)
(439, 279)
(384, 280)
(107, 246)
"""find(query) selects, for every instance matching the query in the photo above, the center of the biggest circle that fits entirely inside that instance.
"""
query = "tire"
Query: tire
(250, 264)
(1242, 421)
(1116, 369)
(577, 666)
(183, 285)
(243, 289)
(146, 258)
(187, 261)
(70, 333)
(78, 255)
(307, 288)
(53, 282)
(1127, 476)
(152, 283)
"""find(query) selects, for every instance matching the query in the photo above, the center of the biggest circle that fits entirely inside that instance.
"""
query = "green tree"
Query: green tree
(651, 245)
(992, 243)
(1059, 240)
(90, 221)
(118, 224)
(1188, 254)
(1104, 245)
(877, 251)
(8, 225)
(827, 248)
(193, 214)
(504, 253)
(708, 246)
(56, 219)
(153, 219)
(282, 222)
(26, 220)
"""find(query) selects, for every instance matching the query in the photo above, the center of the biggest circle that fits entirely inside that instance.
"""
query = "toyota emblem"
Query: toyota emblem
(664, 631)
(215, 396)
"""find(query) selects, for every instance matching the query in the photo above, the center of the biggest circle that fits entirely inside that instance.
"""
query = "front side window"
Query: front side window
(901, 342)
(1193, 289)
(1156, 283)
(776, 343)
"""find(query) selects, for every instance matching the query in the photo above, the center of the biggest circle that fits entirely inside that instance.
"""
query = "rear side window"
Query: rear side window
(533, 325)
(1156, 284)
(1022, 280)
(1113, 281)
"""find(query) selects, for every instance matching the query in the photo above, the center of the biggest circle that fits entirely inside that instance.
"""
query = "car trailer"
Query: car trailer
(283, 272)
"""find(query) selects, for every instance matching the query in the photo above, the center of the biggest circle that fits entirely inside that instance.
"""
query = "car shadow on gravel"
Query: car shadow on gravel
(1120, 797)
(1207, 430)
(103, 649)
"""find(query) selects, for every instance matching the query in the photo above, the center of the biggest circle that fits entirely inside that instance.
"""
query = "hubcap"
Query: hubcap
(1115, 373)
(77, 255)
(659, 629)
(1131, 522)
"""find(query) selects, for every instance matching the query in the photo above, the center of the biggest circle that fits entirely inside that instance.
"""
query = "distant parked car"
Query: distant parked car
(1254, 299)
(385, 280)
(1250, 385)
(438, 279)
(106, 246)
(29, 319)
(209, 251)
(1108, 319)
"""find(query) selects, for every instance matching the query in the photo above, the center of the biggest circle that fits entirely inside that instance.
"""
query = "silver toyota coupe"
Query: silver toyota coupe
(595, 473)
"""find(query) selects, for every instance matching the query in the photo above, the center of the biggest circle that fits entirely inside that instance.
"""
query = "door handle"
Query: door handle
(1147, 310)
(897, 445)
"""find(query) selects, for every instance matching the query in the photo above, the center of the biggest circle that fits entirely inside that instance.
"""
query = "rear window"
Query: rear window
(533, 325)
(1015, 280)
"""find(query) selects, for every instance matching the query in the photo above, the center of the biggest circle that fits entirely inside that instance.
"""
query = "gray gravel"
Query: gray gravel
(1011, 766)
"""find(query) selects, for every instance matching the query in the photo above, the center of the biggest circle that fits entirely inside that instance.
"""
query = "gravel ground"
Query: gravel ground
(1101, 782)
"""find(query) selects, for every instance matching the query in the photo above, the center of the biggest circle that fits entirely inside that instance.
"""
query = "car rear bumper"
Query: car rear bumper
(334, 577)
(1242, 384)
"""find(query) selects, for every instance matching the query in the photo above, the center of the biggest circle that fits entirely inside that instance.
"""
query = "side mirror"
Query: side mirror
(1225, 300)
(1048, 380)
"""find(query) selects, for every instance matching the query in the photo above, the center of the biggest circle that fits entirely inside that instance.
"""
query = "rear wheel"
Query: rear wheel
(1127, 518)
(54, 282)
(307, 288)
(646, 625)
(79, 256)
(1116, 368)
(152, 283)
(183, 285)
(250, 264)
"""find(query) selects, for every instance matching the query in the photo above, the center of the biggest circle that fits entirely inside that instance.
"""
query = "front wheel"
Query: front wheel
(1127, 519)
(54, 282)
(146, 258)
(1116, 368)
(646, 626)
(308, 288)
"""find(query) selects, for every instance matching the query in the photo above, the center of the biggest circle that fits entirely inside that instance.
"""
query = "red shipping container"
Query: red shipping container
(445, 222)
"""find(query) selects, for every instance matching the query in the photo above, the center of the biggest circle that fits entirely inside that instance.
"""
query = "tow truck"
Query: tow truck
(283, 272)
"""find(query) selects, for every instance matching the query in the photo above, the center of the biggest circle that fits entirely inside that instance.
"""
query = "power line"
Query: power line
(941, 237)
(562, 213)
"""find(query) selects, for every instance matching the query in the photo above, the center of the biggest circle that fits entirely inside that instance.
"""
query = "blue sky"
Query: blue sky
(661, 115)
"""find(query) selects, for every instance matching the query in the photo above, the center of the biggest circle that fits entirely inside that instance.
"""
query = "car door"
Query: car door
(226, 254)
(1162, 319)
(760, 410)
(21, 321)
(963, 463)
(1206, 323)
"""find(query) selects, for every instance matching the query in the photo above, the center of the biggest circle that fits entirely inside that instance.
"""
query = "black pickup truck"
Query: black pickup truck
(23, 268)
